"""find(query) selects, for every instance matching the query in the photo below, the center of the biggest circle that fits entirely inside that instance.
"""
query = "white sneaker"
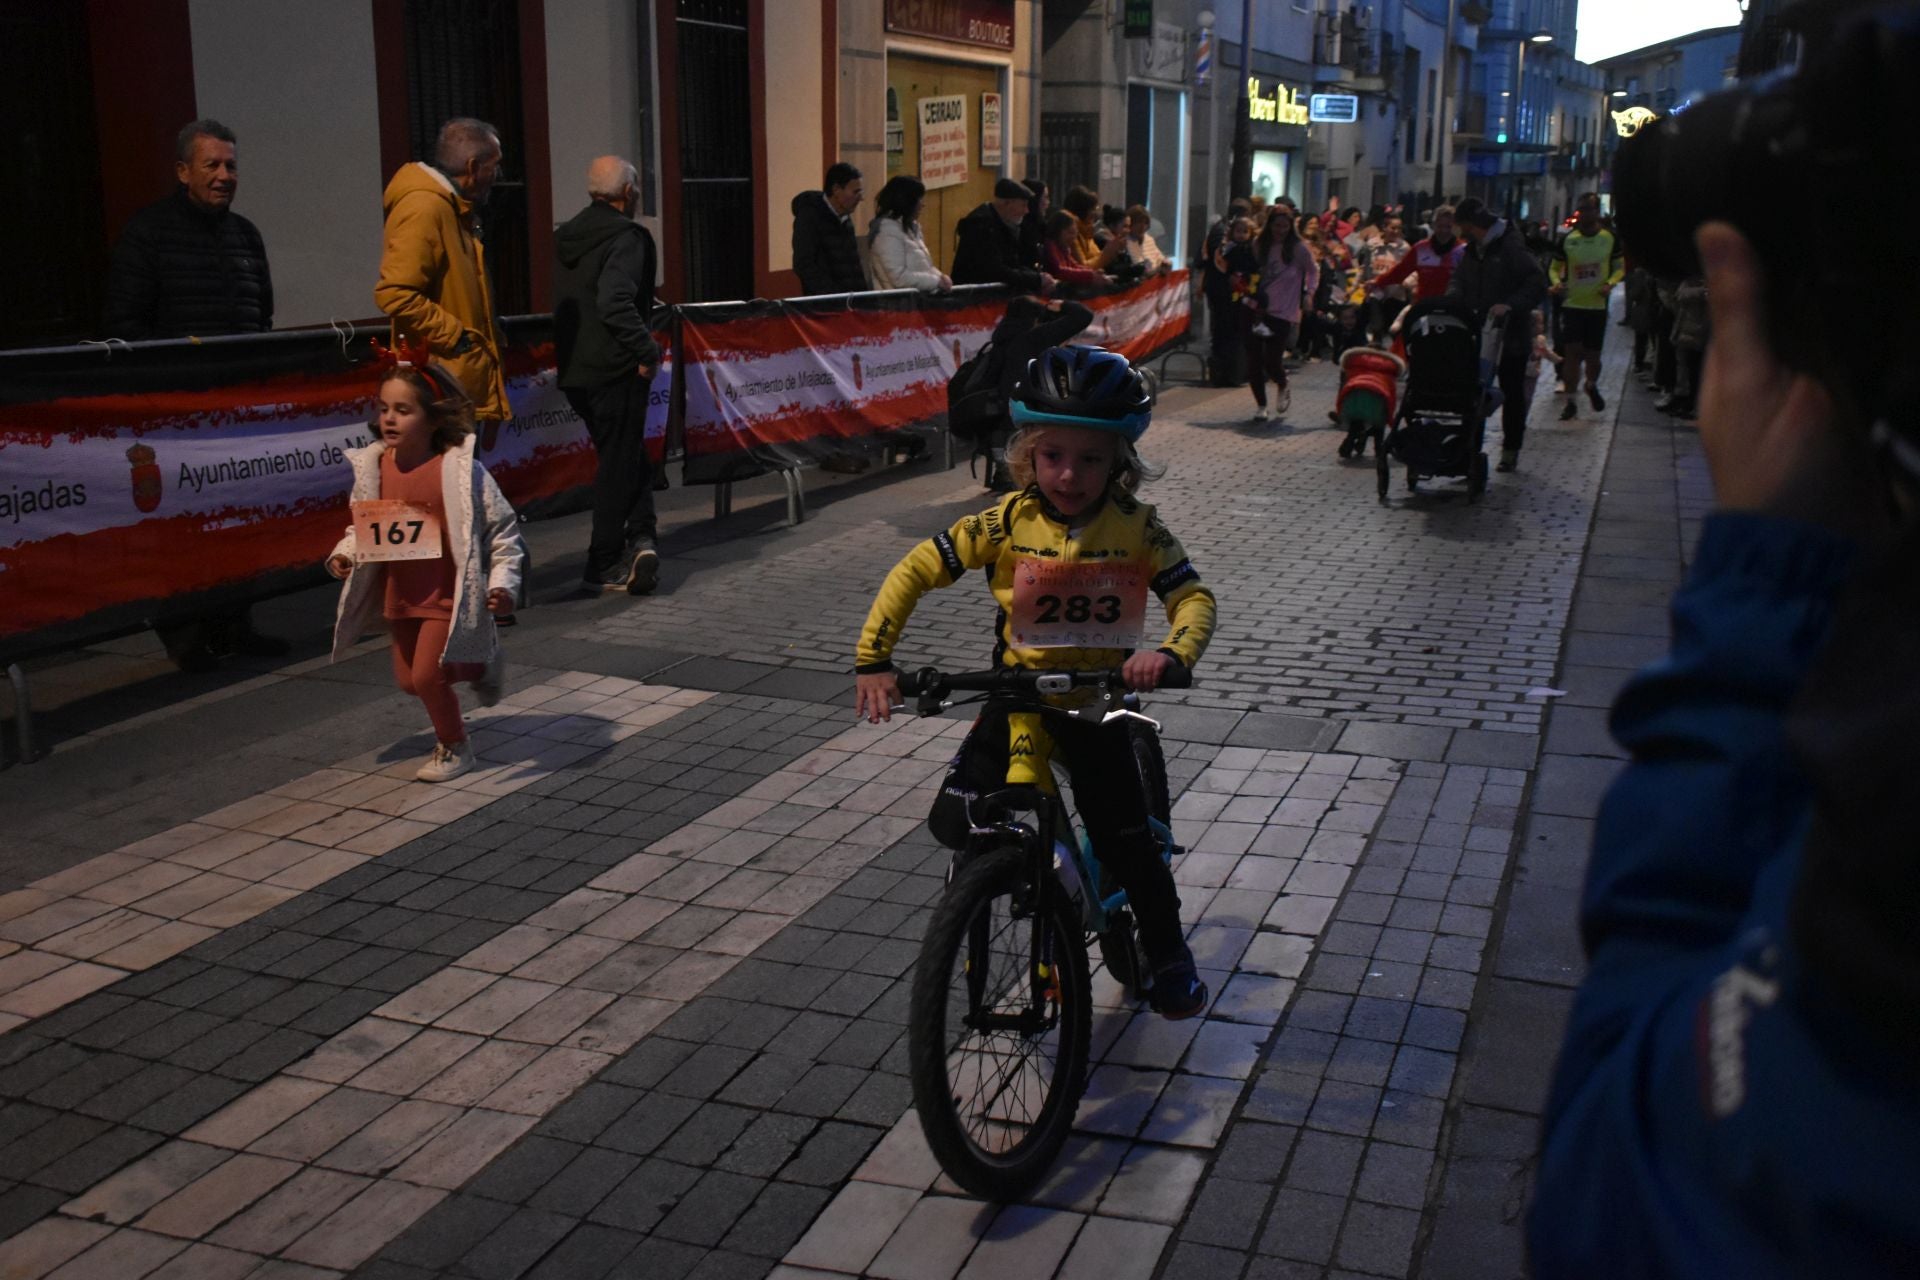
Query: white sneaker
(493, 681)
(447, 762)
(1263, 414)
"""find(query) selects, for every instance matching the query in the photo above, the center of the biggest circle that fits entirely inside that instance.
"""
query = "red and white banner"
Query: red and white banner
(122, 501)
(786, 378)
(142, 484)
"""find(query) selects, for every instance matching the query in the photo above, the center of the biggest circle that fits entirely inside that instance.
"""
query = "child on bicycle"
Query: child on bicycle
(1071, 558)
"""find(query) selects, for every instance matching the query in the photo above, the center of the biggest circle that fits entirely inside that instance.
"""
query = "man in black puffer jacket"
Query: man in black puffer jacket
(826, 254)
(189, 266)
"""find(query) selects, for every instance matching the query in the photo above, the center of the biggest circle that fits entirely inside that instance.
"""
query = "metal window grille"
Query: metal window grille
(1069, 151)
(463, 59)
(716, 149)
(56, 287)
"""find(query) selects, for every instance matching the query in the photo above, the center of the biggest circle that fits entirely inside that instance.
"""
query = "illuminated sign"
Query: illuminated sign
(1333, 108)
(1283, 107)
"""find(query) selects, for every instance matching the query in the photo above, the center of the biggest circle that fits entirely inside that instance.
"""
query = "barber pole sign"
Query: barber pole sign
(1203, 58)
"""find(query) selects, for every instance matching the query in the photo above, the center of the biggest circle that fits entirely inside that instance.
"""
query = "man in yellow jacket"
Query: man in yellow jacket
(433, 272)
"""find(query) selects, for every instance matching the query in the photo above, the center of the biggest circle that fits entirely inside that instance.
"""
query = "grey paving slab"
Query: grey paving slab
(1572, 786)
(1396, 741)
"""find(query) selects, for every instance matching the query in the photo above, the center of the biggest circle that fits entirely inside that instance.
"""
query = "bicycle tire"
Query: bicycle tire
(1152, 763)
(1035, 1138)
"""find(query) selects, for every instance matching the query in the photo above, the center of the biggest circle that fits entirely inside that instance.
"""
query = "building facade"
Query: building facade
(729, 108)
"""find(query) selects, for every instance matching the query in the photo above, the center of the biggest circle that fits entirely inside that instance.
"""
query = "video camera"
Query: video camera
(1802, 161)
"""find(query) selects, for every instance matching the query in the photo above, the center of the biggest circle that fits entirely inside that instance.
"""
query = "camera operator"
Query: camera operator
(1736, 1093)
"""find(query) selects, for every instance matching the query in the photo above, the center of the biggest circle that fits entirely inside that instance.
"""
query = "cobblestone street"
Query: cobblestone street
(630, 999)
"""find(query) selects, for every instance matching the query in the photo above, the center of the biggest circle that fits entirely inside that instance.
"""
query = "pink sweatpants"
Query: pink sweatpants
(417, 646)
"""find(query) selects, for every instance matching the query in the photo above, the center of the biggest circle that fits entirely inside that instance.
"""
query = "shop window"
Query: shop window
(1433, 112)
(1156, 157)
(463, 59)
(1410, 96)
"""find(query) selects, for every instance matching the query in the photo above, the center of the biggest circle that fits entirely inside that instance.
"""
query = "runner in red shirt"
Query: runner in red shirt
(1430, 262)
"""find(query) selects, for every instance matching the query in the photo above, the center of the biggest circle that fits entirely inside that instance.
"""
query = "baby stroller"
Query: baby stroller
(1440, 429)
(1369, 388)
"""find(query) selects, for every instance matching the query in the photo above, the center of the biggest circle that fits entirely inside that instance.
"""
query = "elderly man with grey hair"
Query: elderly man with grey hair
(602, 297)
(433, 271)
(190, 267)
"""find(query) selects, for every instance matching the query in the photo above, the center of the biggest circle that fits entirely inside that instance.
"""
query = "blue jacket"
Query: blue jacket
(1731, 1098)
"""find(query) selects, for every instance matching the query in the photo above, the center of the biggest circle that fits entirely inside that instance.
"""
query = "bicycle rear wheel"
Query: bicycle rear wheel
(999, 1027)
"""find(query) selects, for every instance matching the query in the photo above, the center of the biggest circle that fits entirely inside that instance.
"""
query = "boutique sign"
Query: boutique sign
(1282, 106)
(977, 22)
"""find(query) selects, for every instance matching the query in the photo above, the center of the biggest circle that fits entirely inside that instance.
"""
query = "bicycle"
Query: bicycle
(1000, 1022)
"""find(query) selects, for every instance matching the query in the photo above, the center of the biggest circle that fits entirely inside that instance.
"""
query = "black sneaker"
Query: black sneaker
(1593, 398)
(1177, 990)
(1570, 412)
(614, 577)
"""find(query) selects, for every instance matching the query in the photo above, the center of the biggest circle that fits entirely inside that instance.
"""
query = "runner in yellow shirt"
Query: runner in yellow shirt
(1584, 270)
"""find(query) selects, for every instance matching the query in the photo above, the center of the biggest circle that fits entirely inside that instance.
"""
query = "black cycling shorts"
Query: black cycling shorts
(1587, 329)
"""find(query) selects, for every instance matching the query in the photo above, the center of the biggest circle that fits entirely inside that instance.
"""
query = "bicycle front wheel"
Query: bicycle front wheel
(999, 1027)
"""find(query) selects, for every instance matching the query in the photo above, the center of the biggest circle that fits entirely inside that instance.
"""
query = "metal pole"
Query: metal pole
(22, 714)
(1443, 126)
(1240, 181)
(1213, 132)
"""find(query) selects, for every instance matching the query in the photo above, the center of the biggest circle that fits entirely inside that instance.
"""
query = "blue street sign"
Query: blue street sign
(1333, 108)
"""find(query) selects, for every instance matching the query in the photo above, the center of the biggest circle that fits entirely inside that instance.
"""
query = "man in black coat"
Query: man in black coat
(989, 249)
(603, 294)
(189, 267)
(826, 253)
(1499, 276)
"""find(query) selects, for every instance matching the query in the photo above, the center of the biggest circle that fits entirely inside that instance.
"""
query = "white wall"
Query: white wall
(593, 92)
(295, 81)
(795, 128)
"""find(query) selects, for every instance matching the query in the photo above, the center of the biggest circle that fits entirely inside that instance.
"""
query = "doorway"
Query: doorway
(909, 79)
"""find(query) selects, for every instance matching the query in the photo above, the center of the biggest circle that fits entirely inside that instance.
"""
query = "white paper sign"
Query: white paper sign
(943, 141)
(990, 131)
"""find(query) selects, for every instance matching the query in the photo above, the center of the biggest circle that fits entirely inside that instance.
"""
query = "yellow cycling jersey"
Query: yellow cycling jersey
(1025, 549)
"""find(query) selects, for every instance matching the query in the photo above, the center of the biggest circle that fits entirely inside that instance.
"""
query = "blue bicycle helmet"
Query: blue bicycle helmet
(1084, 387)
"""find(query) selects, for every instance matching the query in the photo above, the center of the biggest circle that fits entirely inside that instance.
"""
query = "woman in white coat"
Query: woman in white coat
(897, 254)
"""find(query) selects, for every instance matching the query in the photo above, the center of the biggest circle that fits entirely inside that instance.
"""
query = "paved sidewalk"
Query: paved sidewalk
(630, 1001)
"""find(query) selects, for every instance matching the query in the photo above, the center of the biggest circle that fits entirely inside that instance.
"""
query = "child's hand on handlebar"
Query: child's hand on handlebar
(1145, 670)
(875, 694)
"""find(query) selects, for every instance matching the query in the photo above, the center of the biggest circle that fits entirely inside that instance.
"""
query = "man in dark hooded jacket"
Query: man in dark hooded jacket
(603, 292)
(1498, 276)
(826, 253)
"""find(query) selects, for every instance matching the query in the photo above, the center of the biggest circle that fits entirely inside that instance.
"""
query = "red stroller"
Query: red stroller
(1369, 394)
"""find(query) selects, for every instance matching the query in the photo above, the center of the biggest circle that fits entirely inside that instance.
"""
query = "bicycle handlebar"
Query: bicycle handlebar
(929, 681)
